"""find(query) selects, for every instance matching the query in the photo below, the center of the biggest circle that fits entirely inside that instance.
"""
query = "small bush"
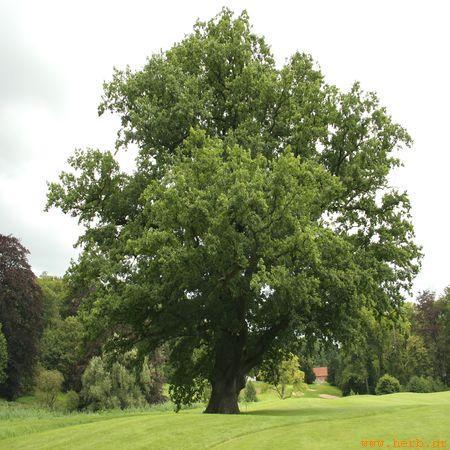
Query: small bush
(263, 387)
(250, 392)
(72, 401)
(206, 393)
(387, 384)
(48, 386)
(419, 384)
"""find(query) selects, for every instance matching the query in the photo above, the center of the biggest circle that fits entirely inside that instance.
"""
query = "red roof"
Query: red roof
(320, 371)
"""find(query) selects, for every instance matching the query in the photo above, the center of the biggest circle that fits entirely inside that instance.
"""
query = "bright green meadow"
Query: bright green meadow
(306, 422)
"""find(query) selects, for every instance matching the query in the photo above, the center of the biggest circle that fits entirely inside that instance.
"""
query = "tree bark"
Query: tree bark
(228, 377)
(224, 396)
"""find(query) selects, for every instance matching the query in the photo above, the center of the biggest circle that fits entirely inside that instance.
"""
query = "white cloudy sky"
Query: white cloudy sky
(55, 55)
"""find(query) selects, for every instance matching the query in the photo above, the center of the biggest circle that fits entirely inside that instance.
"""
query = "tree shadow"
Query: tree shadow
(307, 412)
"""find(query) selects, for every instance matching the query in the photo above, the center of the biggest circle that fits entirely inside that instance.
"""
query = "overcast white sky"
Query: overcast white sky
(55, 55)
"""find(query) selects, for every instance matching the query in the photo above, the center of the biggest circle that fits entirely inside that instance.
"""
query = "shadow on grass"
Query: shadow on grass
(290, 412)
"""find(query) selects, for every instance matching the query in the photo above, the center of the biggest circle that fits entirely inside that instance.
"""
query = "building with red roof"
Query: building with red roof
(321, 374)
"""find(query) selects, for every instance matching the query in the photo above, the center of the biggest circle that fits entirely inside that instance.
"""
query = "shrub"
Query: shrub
(124, 387)
(48, 386)
(250, 392)
(151, 379)
(97, 386)
(420, 384)
(263, 387)
(387, 384)
(72, 401)
(104, 389)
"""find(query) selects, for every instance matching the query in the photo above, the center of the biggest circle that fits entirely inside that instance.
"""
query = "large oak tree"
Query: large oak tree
(259, 211)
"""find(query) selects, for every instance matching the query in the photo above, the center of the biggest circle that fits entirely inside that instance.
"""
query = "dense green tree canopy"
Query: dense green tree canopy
(259, 209)
(54, 293)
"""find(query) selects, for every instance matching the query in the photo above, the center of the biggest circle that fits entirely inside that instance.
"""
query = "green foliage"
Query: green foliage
(151, 378)
(48, 386)
(431, 321)
(353, 383)
(124, 387)
(116, 386)
(61, 348)
(425, 384)
(3, 356)
(206, 393)
(307, 367)
(20, 316)
(250, 393)
(259, 208)
(437, 384)
(54, 292)
(387, 384)
(419, 384)
(72, 401)
(286, 373)
(96, 393)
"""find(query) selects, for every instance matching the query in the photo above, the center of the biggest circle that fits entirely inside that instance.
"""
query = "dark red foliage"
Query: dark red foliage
(20, 315)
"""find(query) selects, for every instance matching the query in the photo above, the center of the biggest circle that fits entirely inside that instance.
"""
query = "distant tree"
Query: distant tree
(286, 373)
(48, 386)
(259, 209)
(3, 356)
(426, 317)
(430, 321)
(20, 316)
(442, 338)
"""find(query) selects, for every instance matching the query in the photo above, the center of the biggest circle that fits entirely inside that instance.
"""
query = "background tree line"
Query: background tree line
(414, 349)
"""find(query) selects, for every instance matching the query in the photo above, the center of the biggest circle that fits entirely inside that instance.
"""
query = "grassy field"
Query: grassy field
(307, 422)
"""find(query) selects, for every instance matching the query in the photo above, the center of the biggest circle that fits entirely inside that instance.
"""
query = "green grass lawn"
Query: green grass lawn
(306, 422)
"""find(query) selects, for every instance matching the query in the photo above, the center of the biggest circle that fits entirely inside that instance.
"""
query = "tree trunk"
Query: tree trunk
(224, 396)
(228, 377)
